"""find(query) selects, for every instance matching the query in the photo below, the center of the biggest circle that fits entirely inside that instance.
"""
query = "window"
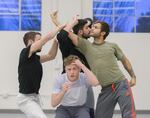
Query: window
(123, 15)
(20, 15)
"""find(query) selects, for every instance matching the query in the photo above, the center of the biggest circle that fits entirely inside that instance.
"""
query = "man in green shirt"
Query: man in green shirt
(102, 57)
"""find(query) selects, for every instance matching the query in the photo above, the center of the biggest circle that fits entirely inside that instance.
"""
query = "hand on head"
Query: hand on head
(78, 63)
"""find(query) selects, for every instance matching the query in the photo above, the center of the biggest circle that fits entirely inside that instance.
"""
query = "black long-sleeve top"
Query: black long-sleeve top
(68, 48)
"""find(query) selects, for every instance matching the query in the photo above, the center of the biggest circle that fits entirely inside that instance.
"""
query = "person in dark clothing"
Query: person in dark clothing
(82, 29)
(30, 71)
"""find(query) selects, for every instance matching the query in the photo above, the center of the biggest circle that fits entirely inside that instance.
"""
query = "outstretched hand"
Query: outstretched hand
(53, 15)
(75, 20)
(72, 23)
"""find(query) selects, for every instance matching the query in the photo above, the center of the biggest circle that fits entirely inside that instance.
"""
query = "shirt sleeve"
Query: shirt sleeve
(62, 36)
(57, 85)
(82, 45)
(118, 52)
(85, 80)
(64, 42)
(25, 53)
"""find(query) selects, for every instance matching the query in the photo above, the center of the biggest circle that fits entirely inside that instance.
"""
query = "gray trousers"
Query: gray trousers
(72, 112)
(111, 95)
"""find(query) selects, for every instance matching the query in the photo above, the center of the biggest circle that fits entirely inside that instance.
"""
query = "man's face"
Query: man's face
(38, 37)
(95, 30)
(72, 72)
(86, 31)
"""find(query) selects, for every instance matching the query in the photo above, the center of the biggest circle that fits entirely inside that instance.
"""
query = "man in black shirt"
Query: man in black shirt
(67, 48)
(30, 71)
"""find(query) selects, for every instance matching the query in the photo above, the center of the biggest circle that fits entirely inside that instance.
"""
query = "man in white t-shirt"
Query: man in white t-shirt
(70, 89)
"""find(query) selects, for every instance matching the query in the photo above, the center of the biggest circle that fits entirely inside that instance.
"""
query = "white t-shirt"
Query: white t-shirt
(77, 93)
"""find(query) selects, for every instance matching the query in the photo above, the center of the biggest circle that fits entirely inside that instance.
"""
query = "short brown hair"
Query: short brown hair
(79, 26)
(28, 36)
(70, 59)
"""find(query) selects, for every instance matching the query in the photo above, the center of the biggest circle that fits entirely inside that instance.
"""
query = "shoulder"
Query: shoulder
(61, 78)
(83, 42)
(82, 76)
(111, 44)
(62, 33)
(82, 39)
(25, 50)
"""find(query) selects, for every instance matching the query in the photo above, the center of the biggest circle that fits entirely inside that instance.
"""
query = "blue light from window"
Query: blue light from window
(124, 24)
(9, 22)
(29, 17)
(9, 6)
(125, 15)
(31, 23)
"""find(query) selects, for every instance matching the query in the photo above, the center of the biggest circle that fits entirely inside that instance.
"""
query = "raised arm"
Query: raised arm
(71, 35)
(54, 18)
(62, 36)
(51, 54)
(38, 44)
(127, 65)
(89, 74)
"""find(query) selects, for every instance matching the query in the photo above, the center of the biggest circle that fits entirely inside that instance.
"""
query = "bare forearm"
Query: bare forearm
(69, 27)
(56, 99)
(53, 51)
(56, 22)
(51, 54)
(74, 38)
(90, 76)
(71, 35)
(128, 67)
(52, 34)
(54, 19)
(41, 42)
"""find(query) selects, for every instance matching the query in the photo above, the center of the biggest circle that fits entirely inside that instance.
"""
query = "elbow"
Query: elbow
(53, 105)
(51, 57)
(95, 83)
